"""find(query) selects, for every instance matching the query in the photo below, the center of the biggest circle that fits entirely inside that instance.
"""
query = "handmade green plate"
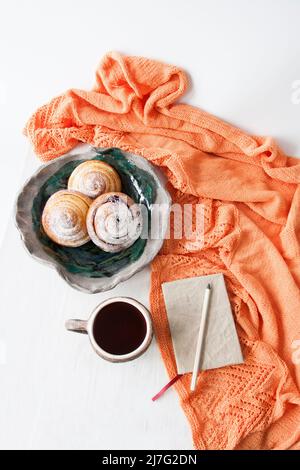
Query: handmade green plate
(88, 268)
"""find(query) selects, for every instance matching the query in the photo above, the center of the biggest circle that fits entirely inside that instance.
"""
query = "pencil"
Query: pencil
(200, 342)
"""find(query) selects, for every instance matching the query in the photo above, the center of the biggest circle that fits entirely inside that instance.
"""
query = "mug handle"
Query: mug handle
(78, 326)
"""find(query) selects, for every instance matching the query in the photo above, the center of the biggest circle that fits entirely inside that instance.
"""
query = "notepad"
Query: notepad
(183, 300)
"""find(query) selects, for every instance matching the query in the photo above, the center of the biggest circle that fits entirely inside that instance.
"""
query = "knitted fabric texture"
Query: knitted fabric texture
(251, 197)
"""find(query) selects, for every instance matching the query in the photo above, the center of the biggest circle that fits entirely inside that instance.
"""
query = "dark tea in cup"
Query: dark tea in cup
(119, 329)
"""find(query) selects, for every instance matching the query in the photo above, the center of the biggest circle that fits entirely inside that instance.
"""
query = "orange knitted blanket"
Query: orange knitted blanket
(251, 194)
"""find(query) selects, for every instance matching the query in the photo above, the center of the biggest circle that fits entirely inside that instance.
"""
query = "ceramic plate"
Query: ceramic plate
(88, 268)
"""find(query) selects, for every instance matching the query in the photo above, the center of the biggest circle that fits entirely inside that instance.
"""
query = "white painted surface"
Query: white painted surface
(243, 58)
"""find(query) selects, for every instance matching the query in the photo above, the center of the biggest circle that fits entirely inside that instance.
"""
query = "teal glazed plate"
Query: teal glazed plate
(87, 267)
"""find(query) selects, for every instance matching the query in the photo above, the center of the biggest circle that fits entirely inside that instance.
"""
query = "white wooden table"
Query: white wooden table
(243, 58)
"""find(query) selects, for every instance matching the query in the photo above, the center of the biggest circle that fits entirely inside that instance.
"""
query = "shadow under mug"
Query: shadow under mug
(87, 327)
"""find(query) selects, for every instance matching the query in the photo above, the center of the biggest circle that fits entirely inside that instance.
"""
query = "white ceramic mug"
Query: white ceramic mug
(87, 327)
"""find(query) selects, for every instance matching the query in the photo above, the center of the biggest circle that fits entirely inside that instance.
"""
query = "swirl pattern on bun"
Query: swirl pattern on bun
(94, 178)
(114, 222)
(64, 218)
